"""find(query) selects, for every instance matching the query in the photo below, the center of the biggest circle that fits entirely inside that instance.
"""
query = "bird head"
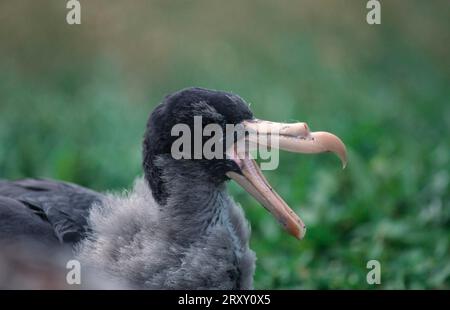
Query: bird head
(194, 121)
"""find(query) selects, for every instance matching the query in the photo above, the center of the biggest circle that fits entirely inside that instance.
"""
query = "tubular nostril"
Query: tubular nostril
(296, 130)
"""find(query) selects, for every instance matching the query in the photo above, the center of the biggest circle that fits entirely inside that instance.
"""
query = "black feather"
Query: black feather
(61, 208)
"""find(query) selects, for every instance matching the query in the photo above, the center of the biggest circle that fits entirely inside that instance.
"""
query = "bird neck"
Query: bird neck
(194, 202)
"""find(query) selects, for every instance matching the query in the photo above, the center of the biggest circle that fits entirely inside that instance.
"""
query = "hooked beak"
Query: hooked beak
(294, 137)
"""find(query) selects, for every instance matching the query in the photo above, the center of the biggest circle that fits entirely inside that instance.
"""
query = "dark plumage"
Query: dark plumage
(177, 228)
(54, 212)
(215, 107)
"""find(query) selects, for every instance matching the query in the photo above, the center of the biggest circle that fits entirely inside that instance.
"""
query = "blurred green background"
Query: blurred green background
(74, 102)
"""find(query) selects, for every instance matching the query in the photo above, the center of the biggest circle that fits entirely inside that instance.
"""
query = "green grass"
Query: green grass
(73, 109)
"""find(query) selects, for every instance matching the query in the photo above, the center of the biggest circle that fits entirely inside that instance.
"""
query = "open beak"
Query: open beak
(294, 137)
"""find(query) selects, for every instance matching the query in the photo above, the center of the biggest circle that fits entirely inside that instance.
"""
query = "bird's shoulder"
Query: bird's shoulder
(62, 205)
